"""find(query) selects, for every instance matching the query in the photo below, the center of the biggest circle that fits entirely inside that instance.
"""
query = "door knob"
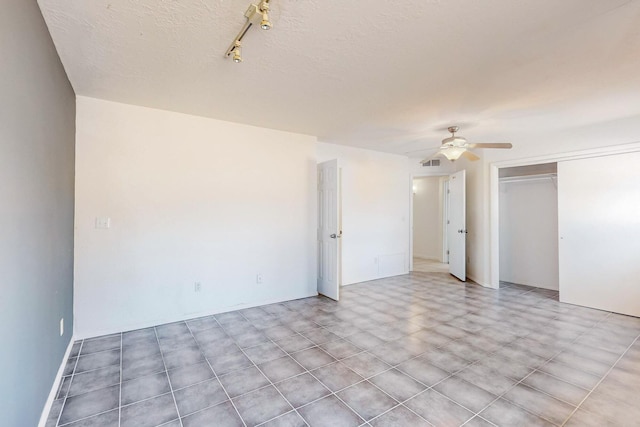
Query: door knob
(333, 236)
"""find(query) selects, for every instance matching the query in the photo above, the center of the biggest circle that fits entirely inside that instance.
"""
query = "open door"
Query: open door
(329, 232)
(457, 229)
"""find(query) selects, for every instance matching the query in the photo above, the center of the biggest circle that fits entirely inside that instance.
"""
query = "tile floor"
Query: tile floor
(423, 265)
(415, 350)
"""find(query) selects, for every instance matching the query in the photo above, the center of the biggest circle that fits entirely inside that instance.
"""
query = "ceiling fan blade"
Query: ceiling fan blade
(470, 156)
(490, 145)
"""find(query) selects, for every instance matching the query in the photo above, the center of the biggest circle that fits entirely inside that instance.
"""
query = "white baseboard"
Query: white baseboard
(554, 287)
(54, 387)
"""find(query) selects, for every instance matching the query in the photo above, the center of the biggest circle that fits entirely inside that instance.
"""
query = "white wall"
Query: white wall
(427, 218)
(190, 200)
(376, 191)
(529, 231)
(599, 226)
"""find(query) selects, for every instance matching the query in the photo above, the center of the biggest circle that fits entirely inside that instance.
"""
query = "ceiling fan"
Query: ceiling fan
(454, 147)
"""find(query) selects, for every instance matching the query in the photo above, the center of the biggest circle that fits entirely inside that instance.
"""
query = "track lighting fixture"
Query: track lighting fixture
(255, 14)
(237, 52)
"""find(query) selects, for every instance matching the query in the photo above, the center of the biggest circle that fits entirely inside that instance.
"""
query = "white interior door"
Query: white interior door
(457, 228)
(329, 232)
(445, 222)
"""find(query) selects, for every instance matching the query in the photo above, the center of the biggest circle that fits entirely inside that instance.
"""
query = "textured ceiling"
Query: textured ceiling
(385, 75)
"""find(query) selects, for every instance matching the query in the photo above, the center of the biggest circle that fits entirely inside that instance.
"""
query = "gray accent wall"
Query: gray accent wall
(37, 142)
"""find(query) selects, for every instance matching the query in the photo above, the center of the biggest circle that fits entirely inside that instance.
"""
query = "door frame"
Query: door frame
(494, 193)
(445, 209)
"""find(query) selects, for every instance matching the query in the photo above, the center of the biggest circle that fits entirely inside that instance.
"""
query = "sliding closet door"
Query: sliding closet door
(599, 232)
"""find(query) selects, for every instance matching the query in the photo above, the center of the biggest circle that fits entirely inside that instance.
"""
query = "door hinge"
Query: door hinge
(448, 222)
(447, 252)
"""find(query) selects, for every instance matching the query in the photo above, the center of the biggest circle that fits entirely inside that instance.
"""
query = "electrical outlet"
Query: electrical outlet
(197, 287)
(259, 278)
(62, 326)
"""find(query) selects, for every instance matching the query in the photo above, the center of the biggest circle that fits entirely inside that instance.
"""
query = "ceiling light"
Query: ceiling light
(237, 52)
(255, 14)
(265, 24)
(453, 153)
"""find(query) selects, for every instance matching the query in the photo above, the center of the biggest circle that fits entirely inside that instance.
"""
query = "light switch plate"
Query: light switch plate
(103, 222)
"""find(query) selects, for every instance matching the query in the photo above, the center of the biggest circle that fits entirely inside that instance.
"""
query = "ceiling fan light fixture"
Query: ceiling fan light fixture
(453, 153)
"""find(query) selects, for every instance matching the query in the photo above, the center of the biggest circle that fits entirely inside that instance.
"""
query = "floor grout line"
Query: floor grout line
(269, 379)
(70, 383)
(601, 380)
(499, 396)
(519, 307)
(216, 376)
(530, 373)
(87, 417)
(173, 396)
(307, 371)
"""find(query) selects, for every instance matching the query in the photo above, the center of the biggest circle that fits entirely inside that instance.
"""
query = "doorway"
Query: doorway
(528, 226)
(429, 213)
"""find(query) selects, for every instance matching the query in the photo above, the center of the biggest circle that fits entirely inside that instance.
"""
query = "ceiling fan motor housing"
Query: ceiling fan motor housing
(454, 141)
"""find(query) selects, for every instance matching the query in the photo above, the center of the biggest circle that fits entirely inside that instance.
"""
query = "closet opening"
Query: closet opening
(528, 227)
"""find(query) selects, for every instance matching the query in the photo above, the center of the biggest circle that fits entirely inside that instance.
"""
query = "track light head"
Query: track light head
(265, 24)
(237, 52)
(264, 8)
